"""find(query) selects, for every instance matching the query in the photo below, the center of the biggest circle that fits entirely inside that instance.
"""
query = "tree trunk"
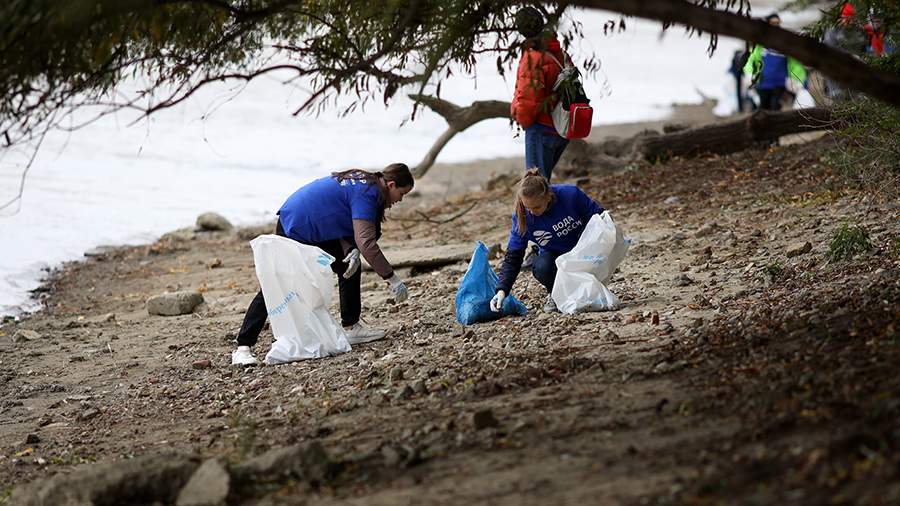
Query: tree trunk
(459, 118)
(732, 136)
(838, 65)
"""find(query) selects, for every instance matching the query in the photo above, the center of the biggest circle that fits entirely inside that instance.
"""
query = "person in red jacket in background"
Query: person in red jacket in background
(540, 65)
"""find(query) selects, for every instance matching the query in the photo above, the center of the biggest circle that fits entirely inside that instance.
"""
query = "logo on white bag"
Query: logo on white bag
(324, 260)
(284, 303)
(542, 237)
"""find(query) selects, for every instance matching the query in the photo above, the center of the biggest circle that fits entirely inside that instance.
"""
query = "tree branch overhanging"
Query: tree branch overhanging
(834, 63)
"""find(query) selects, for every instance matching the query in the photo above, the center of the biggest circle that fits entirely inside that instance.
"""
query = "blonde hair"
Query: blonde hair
(532, 185)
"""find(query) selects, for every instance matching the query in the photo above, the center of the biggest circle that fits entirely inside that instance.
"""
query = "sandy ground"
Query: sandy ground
(744, 367)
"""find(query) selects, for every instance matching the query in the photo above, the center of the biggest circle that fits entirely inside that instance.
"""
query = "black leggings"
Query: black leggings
(351, 305)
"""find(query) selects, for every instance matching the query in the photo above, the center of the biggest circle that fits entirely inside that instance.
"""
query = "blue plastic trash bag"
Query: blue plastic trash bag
(478, 286)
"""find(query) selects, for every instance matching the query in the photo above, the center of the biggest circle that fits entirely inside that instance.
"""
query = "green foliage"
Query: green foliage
(59, 54)
(246, 434)
(895, 248)
(867, 154)
(847, 242)
(773, 270)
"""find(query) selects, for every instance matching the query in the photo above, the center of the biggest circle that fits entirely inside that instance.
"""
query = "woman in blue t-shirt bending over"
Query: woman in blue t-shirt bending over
(553, 217)
(342, 215)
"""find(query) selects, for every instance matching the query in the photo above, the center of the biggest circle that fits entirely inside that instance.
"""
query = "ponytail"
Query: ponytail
(532, 184)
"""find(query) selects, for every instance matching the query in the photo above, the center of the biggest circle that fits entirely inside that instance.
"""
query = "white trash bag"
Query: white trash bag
(297, 284)
(582, 273)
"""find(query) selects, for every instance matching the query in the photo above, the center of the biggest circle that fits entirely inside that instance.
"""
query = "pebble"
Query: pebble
(682, 280)
(484, 419)
(798, 249)
(405, 393)
(25, 335)
(396, 373)
(32, 439)
(201, 364)
(88, 414)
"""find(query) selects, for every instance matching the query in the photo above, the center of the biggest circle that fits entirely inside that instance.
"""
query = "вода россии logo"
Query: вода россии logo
(542, 237)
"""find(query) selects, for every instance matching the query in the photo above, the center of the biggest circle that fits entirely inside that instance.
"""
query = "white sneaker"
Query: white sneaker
(242, 356)
(550, 305)
(359, 334)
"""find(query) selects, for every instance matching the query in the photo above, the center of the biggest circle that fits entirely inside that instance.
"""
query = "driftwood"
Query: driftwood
(724, 137)
(427, 256)
(732, 136)
(458, 118)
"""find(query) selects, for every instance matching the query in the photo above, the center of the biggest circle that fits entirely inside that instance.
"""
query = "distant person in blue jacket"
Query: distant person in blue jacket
(770, 70)
(342, 215)
(553, 217)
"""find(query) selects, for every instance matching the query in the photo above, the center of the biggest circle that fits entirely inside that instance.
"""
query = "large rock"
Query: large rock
(207, 487)
(213, 222)
(143, 480)
(174, 303)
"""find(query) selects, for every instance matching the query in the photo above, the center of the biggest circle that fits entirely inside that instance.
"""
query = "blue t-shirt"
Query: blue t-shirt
(561, 225)
(324, 210)
(774, 70)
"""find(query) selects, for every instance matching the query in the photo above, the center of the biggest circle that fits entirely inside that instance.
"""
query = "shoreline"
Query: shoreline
(443, 181)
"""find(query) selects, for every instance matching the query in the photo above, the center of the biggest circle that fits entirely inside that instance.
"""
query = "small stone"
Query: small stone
(405, 393)
(706, 230)
(201, 364)
(609, 335)
(88, 414)
(174, 303)
(798, 249)
(391, 455)
(215, 263)
(208, 486)
(396, 373)
(682, 280)
(672, 201)
(25, 335)
(32, 439)
(654, 318)
(484, 419)
(213, 222)
(420, 388)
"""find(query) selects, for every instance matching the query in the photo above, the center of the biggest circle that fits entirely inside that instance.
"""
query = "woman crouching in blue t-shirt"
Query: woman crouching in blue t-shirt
(342, 215)
(553, 217)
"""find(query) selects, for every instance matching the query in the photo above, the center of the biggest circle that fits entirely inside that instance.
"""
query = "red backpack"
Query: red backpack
(572, 114)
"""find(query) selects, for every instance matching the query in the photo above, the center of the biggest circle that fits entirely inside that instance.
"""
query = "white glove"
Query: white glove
(352, 261)
(497, 301)
(398, 289)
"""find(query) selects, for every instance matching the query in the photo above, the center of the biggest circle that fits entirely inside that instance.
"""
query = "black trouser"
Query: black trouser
(351, 304)
(770, 100)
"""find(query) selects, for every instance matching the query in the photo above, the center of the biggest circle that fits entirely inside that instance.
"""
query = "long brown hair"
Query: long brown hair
(397, 172)
(532, 184)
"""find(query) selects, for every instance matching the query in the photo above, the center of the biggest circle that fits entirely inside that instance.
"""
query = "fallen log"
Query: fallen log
(428, 256)
(732, 136)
